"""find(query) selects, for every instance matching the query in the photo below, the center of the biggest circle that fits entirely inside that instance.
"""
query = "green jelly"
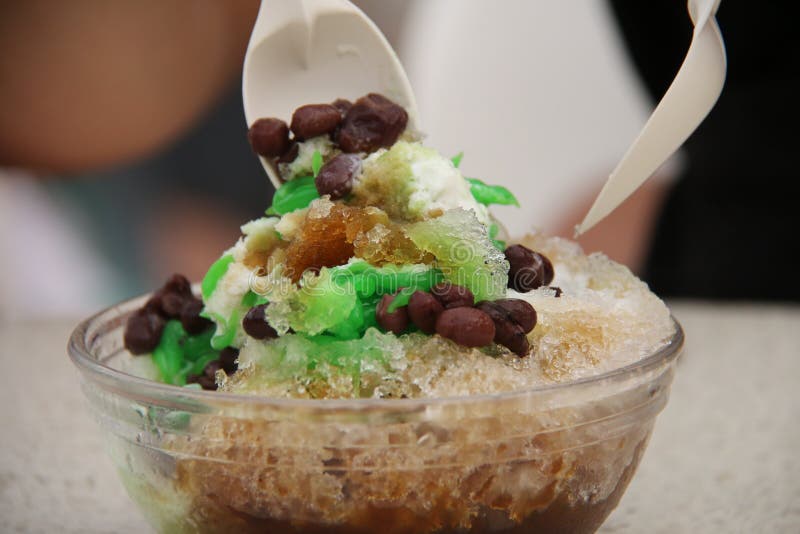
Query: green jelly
(252, 298)
(226, 330)
(316, 162)
(168, 355)
(293, 195)
(491, 194)
(214, 275)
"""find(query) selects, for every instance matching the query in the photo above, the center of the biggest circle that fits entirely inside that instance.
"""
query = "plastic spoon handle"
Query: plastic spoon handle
(690, 97)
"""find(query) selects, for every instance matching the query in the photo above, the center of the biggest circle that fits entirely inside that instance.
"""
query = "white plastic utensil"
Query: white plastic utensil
(690, 97)
(315, 51)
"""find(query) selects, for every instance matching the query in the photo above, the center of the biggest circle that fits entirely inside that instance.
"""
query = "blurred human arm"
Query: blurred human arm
(90, 83)
(625, 235)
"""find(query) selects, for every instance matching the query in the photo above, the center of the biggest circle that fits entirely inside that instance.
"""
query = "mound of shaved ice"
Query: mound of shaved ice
(605, 319)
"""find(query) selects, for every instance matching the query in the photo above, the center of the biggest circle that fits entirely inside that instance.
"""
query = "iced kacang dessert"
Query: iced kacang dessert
(378, 272)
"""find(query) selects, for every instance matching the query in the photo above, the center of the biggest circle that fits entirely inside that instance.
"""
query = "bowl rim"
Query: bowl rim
(120, 381)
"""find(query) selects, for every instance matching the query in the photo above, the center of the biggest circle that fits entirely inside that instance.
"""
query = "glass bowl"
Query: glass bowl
(555, 458)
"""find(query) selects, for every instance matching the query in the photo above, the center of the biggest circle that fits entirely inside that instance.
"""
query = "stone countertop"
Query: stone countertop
(723, 457)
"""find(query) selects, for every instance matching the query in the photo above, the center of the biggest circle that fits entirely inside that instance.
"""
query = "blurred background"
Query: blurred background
(123, 155)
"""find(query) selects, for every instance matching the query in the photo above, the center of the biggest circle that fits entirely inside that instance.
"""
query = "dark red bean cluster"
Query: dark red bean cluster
(208, 378)
(174, 300)
(528, 269)
(255, 323)
(450, 311)
(372, 122)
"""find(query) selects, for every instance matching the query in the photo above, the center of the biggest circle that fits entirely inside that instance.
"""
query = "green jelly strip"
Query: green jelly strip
(370, 284)
(457, 159)
(224, 338)
(214, 274)
(316, 163)
(197, 367)
(168, 355)
(251, 299)
(196, 347)
(353, 327)
(491, 194)
(368, 281)
(178, 354)
(293, 195)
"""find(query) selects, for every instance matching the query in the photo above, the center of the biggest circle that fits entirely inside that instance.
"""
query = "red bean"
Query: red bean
(423, 310)
(190, 317)
(315, 119)
(507, 332)
(343, 105)
(255, 323)
(528, 269)
(520, 311)
(452, 295)
(227, 360)
(469, 327)
(269, 137)
(335, 178)
(396, 321)
(143, 332)
(372, 122)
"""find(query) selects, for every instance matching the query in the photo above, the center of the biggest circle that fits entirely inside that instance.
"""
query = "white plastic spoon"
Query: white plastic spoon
(690, 97)
(315, 51)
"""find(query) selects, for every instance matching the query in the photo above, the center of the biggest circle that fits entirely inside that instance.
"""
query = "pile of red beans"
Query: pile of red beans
(372, 122)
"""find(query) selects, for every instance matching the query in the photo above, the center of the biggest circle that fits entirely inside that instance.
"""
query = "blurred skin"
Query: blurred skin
(95, 83)
(91, 83)
(624, 236)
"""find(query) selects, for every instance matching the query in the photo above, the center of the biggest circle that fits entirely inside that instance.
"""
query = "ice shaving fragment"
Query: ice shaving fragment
(225, 305)
(411, 183)
(289, 225)
(260, 234)
(463, 252)
(302, 165)
(259, 242)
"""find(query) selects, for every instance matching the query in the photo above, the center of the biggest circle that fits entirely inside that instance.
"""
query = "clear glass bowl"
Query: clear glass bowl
(548, 459)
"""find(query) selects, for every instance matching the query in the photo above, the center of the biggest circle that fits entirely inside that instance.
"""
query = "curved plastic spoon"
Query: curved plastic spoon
(315, 51)
(690, 97)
